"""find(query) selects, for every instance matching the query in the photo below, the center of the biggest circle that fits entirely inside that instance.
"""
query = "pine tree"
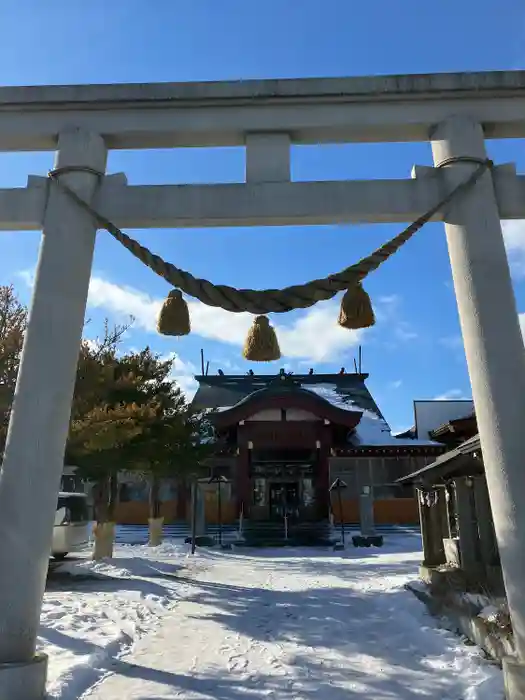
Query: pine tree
(169, 447)
(104, 420)
(127, 413)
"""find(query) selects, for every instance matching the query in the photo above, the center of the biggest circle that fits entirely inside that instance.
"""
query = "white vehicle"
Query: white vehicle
(72, 524)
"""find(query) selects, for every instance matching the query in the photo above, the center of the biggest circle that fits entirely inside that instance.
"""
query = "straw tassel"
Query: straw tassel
(356, 309)
(174, 317)
(261, 342)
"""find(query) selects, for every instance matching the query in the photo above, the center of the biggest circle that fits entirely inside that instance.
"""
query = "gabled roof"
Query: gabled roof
(276, 396)
(222, 392)
(345, 394)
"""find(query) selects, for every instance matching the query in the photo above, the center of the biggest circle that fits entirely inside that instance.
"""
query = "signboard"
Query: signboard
(275, 469)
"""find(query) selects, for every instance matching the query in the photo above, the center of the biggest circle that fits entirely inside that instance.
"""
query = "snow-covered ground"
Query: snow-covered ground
(94, 611)
(243, 625)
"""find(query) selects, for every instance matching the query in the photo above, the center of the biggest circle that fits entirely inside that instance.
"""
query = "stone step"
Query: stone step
(272, 534)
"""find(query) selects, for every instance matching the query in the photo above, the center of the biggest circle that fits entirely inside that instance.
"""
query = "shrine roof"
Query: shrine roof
(343, 392)
(222, 392)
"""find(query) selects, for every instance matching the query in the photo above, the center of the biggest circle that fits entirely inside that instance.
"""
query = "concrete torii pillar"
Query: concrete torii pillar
(495, 357)
(38, 429)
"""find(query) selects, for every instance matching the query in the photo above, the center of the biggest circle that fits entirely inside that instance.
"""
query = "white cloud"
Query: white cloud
(404, 332)
(452, 395)
(27, 276)
(183, 373)
(124, 301)
(225, 363)
(396, 384)
(386, 307)
(317, 336)
(514, 235)
(314, 335)
(390, 300)
(92, 344)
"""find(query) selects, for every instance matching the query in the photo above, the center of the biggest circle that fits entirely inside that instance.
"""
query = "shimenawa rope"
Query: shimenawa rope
(356, 310)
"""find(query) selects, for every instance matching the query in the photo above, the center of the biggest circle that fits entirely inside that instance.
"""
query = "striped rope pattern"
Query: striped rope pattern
(265, 301)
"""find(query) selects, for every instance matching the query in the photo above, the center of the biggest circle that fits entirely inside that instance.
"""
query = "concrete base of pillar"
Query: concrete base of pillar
(156, 526)
(24, 681)
(514, 678)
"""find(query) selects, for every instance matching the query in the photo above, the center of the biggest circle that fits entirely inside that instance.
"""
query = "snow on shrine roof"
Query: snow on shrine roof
(223, 392)
(372, 429)
(343, 391)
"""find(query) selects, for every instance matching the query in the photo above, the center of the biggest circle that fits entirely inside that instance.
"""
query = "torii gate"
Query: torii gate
(454, 111)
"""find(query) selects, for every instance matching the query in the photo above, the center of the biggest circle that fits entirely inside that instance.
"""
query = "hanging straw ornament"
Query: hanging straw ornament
(356, 309)
(261, 342)
(174, 317)
(261, 345)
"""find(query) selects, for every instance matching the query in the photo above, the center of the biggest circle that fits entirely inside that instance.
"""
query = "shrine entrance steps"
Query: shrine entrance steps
(271, 533)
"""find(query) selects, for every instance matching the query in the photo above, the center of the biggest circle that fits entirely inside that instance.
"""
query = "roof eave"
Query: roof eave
(462, 456)
(316, 404)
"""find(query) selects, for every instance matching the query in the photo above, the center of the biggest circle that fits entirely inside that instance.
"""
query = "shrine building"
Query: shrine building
(282, 440)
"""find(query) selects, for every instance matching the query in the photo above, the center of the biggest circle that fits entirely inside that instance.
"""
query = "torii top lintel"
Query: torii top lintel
(312, 110)
(266, 117)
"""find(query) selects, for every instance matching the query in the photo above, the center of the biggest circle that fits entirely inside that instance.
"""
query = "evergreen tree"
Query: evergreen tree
(104, 420)
(127, 413)
(170, 445)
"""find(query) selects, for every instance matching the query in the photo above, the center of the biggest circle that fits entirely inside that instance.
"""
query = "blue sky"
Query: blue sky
(414, 351)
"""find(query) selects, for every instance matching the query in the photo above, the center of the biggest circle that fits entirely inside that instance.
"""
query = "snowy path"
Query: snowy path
(300, 625)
